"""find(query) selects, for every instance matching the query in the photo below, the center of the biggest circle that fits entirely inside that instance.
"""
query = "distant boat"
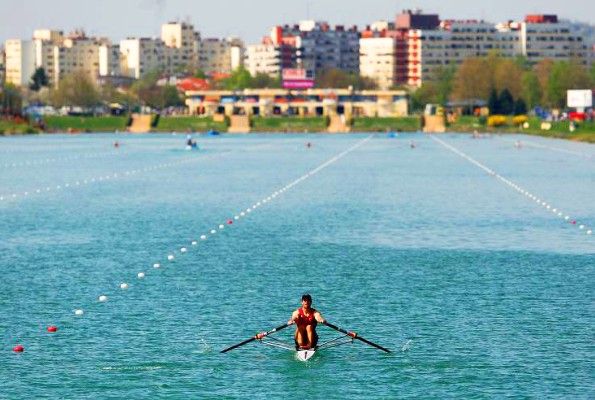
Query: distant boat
(213, 133)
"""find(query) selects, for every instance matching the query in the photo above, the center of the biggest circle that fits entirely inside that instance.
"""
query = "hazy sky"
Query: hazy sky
(252, 19)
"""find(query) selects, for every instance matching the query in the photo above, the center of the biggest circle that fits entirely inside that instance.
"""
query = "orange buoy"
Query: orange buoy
(18, 349)
(52, 329)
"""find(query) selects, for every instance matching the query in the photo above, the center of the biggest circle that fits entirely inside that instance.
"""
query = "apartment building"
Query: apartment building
(20, 61)
(424, 45)
(220, 55)
(140, 55)
(264, 59)
(78, 53)
(181, 46)
(2, 67)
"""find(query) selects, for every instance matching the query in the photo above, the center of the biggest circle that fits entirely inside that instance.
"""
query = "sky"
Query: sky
(252, 19)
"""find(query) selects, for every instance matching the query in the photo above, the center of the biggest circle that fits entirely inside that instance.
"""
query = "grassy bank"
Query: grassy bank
(374, 124)
(288, 124)
(85, 124)
(8, 127)
(187, 123)
(584, 132)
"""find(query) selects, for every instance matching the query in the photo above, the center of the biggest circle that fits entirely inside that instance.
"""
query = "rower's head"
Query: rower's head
(306, 300)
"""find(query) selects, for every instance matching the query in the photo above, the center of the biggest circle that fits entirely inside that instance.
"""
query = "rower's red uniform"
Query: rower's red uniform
(305, 320)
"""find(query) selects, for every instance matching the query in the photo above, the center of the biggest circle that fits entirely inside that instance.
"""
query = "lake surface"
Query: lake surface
(478, 290)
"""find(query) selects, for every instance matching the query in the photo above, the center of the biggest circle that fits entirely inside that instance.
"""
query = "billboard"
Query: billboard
(580, 98)
(298, 78)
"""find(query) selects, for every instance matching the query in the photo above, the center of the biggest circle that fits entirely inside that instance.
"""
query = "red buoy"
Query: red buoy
(573, 222)
(52, 329)
(18, 349)
(229, 222)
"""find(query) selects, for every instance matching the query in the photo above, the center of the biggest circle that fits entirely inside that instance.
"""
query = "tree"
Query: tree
(507, 75)
(520, 108)
(493, 102)
(12, 101)
(473, 80)
(262, 80)
(531, 90)
(542, 71)
(39, 79)
(76, 89)
(239, 79)
(200, 74)
(506, 102)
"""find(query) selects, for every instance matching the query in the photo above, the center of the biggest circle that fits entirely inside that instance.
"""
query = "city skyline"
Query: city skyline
(113, 18)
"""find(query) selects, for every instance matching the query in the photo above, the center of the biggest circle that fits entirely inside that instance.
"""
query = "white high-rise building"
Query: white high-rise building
(263, 58)
(140, 55)
(20, 61)
(378, 60)
(181, 46)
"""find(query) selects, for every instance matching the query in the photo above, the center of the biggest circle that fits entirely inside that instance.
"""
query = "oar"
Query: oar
(255, 337)
(354, 336)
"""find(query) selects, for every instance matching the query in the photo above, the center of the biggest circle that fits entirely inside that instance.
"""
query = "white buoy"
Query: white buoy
(183, 250)
(221, 226)
(203, 237)
(236, 217)
(141, 275)
(79, 312)
(156, 265)
(581, 227)
(170, 257)
(124, 286)
(589, 232)
(102, 298)
(194, 243)
(242, 213)
(213, 231)
(567, 218)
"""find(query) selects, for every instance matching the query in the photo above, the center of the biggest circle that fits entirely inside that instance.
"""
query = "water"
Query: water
(477, 290)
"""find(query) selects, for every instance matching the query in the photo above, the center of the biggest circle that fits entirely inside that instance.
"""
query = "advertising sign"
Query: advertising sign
(298, 78)
(580, 98)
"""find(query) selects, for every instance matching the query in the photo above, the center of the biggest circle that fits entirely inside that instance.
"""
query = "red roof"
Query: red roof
(193, 84)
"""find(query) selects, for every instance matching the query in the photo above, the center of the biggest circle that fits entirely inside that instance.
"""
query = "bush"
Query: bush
(496, 120)
(519, 120)
(483, 120)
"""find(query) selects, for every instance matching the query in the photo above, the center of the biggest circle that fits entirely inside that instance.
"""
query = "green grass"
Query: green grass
(188, 123)
(288, 124)
(375, 124)
(10, 127)
(85, 124)
(584, 133)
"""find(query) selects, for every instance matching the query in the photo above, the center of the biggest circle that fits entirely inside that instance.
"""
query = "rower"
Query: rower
(306, 318)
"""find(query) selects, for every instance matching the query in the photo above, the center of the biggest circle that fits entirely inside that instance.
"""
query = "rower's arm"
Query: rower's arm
(294, 317)
(318, 317)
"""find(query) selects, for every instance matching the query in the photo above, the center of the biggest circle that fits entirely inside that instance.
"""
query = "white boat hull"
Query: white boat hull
(305, 355)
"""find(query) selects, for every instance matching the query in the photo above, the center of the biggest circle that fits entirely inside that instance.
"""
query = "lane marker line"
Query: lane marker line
(531, 196)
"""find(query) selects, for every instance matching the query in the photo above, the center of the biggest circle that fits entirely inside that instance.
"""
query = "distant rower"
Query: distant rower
(306, 319)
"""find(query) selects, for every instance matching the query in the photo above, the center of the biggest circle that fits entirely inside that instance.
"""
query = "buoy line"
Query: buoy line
(103, 178)
(555, 210)
(125, 285)
(543, 146)
(70, 158)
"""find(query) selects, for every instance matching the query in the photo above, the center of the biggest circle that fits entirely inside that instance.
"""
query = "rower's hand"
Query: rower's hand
(290, 322)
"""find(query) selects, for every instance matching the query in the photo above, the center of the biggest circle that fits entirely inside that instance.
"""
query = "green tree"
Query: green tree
(531, 90)
(39, 79)
(239, 79)
(262, 80)
(494, 102)
(520, 108)
(506, 102)
(200, 74)
(12, 101)
(76, 89)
